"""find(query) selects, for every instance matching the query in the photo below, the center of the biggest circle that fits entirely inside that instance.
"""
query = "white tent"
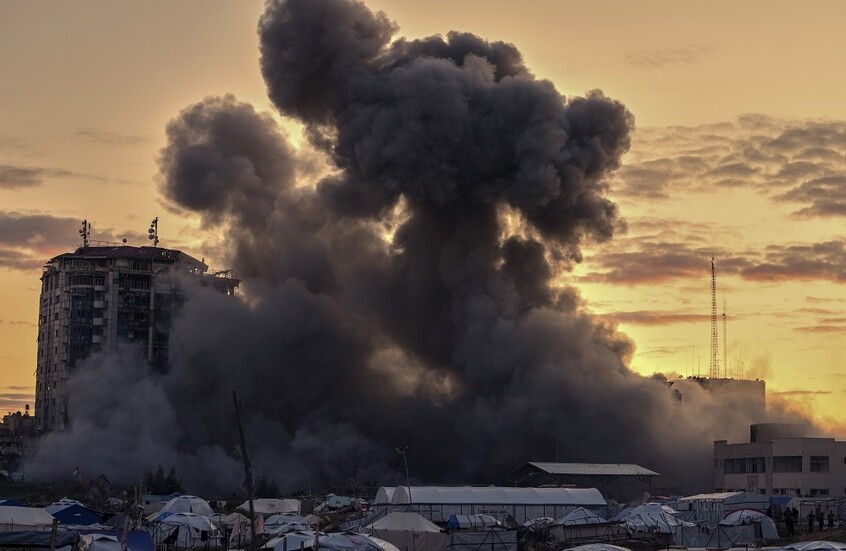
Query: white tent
(98, 542)
(341, 541)
(751, 516)
(184, 504)
(187, 530)
(408, 531)
(13, 519)
(268, 506)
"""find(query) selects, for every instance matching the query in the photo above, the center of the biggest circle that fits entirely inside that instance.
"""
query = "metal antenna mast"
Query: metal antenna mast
(85, 233)
(154, 231)
(725, 341)
(715, 346)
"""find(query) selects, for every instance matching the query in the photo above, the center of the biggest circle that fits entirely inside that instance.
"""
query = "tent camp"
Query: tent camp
(438, 503)
(184, 504)
(714, 507)
(24, 518)
(271, 506)
(186, 531)
(136, 540)
(817, 546)
(409, 532)
(598, 547)
(72, 512)
(768, 530)
(488, 540)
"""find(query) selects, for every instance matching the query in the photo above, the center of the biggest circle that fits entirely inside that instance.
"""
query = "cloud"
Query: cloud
(105, 137)
(644, 317)
(660, 58)
(28, 240)
(14, 177)
(797, 161)
(801, 393)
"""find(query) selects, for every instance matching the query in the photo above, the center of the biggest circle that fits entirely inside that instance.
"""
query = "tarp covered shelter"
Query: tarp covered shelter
(340, 541)
(137, 540)
(598, 547)
(713, 507)
(186, 504)
(409, 532)
(72, 512)
(489, 540)
(24, 518)
(472, 522)
(186, 530)
(817, 545)
(98, 542)
(650, 518)
(268, 506)
(579, 516)
(768, 530)
(714, 536)
(10, 503)
(582, 525)
(37, 539)
(438, 503)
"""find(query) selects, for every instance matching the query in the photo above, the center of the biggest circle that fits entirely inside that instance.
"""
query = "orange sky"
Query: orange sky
(87, 88)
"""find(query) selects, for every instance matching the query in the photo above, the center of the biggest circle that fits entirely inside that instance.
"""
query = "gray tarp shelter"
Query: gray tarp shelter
(489, 540)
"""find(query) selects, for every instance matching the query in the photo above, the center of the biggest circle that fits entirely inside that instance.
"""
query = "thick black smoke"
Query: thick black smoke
(406, 297)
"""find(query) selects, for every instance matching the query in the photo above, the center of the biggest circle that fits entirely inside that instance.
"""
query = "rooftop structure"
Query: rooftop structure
(98, 297)
(613, 479)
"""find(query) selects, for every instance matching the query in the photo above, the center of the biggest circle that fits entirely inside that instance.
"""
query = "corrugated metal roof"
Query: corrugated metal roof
(498, 495)
(594, 469)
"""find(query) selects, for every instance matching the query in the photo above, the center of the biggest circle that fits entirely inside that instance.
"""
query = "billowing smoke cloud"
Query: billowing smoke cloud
(404, 298)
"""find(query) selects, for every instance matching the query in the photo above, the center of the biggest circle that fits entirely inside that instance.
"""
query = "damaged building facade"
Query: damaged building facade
(95, 298)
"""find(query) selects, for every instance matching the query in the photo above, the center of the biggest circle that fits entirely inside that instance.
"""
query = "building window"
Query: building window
(787, 464)
(745, 465)
(819, 464)
(819, 492)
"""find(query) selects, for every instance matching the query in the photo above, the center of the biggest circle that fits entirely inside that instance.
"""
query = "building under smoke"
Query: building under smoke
(781, 459)
(96, 298)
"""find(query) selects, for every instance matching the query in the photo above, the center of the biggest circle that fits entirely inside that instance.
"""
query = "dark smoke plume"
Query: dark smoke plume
(405, 297)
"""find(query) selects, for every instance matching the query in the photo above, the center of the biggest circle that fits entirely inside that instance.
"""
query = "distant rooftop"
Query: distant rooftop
(594, 469)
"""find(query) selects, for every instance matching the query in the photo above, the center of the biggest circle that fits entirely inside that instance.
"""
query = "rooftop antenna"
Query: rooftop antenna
(153, 232)
(402, 451)
(85, 233)
(725, 341)
(714, 372)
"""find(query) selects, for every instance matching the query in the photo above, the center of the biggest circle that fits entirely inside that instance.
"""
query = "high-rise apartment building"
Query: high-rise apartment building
(97, 297)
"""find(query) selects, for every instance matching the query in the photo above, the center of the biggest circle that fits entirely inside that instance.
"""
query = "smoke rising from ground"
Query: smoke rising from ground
(406, 297)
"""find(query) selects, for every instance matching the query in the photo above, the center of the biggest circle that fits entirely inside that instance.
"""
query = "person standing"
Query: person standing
(820, 518)
(811, 518)
(830, 519)
(788, 522)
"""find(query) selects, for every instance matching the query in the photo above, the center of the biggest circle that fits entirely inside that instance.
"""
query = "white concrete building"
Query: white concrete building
(780, 461)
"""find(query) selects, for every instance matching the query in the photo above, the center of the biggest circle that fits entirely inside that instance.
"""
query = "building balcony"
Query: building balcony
(98, 322)
(99, 304)
(98, 339)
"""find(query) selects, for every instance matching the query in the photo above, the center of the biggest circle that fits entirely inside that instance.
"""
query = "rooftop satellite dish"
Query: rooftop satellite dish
(124, 241)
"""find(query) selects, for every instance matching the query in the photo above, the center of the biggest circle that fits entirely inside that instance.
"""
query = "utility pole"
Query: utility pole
(247, 470)
(714, 372)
